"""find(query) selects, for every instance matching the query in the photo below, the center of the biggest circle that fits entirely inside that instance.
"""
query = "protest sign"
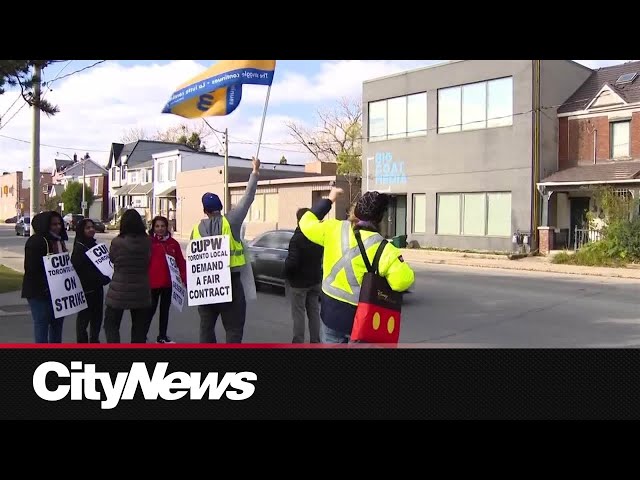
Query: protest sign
(178, 290)
(99, 255)
(208, 272)
(67, 295)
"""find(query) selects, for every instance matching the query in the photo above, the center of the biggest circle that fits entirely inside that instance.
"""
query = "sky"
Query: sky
(98, 104)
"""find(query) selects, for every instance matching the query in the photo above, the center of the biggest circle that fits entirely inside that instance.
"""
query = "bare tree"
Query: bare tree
(134, 134)
(337, 138)
(175, 133)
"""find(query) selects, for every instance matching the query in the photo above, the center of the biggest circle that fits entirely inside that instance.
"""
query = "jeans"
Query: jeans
(164, 296)
(91, 317)
(46, 328)
(305, 302)
(329, 335)
(233, 315)
(139, 324)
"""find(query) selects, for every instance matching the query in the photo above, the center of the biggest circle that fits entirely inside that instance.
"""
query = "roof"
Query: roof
(141, 189)
(166, 192)
(124, 190)
(629, 92)
(241, 174)
(60, 165)
(141, 151)
(147, 164)
(599, 172)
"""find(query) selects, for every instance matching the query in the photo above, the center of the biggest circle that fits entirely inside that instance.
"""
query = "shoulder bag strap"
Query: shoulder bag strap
(363, 252)
(376, 259)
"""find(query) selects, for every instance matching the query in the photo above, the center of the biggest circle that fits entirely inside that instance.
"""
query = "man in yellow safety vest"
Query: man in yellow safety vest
(233, 313)
(343, 266)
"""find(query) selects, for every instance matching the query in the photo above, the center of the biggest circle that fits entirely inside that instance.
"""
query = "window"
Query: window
(149, 175)
(476, 105)
(475, 214)
(621, 138)
(133, 177)
(271, 207)
(171, 166)
(123, 170)
(114, 173)
(398, 117)
(274, 240)
(96, 185)
(419, 222)
(160, 168)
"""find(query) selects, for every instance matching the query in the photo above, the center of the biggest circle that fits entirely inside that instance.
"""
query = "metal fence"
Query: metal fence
(582, 236)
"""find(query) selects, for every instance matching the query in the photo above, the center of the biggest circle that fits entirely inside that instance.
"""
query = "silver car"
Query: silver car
(23, 227)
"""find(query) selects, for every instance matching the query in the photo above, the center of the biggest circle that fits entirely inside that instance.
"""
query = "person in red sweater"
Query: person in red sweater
(162, 243)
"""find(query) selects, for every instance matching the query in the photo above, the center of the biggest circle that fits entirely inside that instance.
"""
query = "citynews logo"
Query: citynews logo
(176, 385)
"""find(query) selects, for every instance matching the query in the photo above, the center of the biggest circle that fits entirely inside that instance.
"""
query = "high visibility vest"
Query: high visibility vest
(237, 250)
(343, 266)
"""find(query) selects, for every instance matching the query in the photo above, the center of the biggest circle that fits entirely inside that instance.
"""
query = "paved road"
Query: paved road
(450, 307)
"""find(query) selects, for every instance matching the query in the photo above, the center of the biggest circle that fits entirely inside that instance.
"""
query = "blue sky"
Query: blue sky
(99, 104)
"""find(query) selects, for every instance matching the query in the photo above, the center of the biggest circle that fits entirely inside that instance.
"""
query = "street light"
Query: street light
(84, 180)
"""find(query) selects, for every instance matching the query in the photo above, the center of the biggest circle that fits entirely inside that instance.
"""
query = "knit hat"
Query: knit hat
(211, 202)
(372, 206)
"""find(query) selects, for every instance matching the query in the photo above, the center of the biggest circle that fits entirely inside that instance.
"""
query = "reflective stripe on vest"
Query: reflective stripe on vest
(236, 249)
(348, 255)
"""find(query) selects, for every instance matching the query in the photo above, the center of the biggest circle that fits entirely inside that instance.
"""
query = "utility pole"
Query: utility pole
(35, 147)
(227, 201)
(84, 187)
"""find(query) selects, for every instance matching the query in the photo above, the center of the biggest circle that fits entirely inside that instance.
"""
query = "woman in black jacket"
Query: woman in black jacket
(93, 282)
(48, 238)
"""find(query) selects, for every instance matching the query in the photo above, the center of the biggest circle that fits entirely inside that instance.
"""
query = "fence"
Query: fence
(582, 236)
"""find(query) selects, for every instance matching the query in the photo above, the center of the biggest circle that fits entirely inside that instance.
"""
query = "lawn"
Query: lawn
(10, 280)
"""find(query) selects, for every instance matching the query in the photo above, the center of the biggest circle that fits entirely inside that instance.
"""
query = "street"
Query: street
(449, 306)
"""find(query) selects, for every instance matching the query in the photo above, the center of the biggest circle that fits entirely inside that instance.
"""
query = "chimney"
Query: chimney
(75, 157)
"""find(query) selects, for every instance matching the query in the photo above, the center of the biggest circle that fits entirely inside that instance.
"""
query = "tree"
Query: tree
(51, 203)
(19, 73)
(134, 134)
(190, 135)
(72, 197)
(283, 160)
(337, 138)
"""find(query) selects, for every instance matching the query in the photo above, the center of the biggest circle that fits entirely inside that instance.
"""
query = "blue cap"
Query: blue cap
(211, 202)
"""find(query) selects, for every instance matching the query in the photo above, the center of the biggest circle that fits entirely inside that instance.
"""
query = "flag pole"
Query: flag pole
(264, 114)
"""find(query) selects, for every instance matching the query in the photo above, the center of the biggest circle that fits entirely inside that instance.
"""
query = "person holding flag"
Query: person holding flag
(217, 92)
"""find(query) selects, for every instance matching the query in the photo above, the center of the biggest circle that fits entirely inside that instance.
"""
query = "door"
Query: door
(579, 207)
(395, 221)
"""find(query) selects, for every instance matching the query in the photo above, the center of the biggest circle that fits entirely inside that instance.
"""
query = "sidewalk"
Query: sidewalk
(12, 260)
(12, 305)
(532, 264)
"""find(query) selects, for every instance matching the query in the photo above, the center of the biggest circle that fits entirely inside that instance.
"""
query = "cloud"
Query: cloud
(99, 104)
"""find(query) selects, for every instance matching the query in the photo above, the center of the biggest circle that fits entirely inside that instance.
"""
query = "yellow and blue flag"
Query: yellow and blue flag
(218, 90)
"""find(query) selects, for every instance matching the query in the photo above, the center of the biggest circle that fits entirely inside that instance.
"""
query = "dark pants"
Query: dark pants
(46, 328)
(305, 303)
(139, 324)
(164, 296)
(91, 317)
(233, 315)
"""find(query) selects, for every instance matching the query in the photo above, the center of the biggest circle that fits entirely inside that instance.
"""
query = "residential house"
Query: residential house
(15, 193)
(59, 166)
(95, 176)
(599, 144)
(131, 173)
(460, 147)
(168, 164)
(279, 195)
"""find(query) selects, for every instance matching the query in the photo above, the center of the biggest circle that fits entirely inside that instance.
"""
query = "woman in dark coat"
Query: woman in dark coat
(48, 238)
(93, 282)
(129, 289)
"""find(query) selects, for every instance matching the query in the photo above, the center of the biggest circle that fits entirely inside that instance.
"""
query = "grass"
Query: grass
(589, 257)
(10, 280)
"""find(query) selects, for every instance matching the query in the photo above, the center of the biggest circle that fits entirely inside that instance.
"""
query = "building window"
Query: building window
(171, 167)
(114, 173)
(271, 207)
(398, 117)
(475, 214)
(419, 213)
(160, 168)
(620, 139)
(149, 174)
(477, 105)
(124, 172)
(133, 177)
(96, 186)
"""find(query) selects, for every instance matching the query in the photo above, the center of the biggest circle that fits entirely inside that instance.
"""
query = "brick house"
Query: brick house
(598, 144)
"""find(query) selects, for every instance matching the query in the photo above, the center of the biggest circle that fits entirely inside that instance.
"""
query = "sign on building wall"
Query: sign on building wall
(385, 171)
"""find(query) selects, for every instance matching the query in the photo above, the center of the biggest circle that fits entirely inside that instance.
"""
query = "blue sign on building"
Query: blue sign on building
(388, 170)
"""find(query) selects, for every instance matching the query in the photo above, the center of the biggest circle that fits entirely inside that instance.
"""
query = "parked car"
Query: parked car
(13, 219)
(100, 227)
(268, 253)
(23, 227)
(71, 220)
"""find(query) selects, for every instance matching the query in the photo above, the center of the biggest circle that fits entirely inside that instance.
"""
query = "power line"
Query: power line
(77, 71)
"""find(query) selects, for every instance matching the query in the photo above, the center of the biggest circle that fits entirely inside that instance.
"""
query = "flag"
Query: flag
(218, 90)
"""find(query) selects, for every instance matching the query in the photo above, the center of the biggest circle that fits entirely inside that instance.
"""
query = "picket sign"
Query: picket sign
(178, 290)
(99, 255)
(67, 294)
(208, 271)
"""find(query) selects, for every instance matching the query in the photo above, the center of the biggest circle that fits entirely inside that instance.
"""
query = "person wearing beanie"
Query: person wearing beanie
(233, 313)
(343, 265)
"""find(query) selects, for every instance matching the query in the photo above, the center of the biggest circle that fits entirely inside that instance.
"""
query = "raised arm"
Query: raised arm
(237, 215)
(311, 223)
